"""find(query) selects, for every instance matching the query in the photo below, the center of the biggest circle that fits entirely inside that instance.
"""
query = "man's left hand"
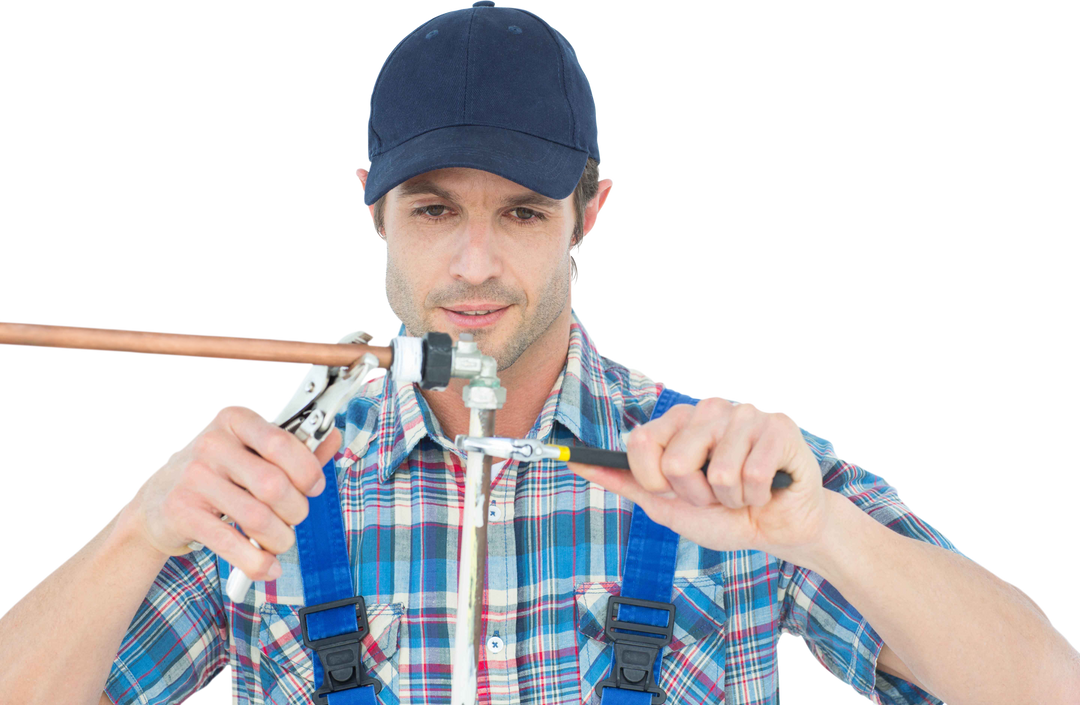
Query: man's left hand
(731, 506)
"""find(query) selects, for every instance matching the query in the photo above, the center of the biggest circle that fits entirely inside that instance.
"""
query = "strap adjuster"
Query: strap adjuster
(635, 654)
(340, 654)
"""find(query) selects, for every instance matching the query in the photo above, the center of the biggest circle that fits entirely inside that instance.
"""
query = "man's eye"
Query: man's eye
(424, 209)
(532, 215)
(525, 217)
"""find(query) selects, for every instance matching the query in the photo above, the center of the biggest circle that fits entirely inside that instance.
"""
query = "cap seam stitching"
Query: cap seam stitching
(482, 124)
(468, 43)
(562, 73)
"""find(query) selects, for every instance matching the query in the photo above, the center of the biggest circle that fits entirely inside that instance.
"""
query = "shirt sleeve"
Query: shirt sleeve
(178, 639)
(810, 607)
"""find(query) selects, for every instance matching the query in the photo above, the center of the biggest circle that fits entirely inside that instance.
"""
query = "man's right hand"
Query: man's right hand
(243, 466)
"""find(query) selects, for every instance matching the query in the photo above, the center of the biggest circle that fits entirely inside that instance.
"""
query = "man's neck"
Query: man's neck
(528, 382)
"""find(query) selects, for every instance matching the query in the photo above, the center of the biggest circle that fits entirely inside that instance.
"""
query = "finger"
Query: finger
(645, 447)
(228, 543)
(261, 479)
(686, 454)
(329, 447)
(256, 519)
(725, 466)
(689, 445)
(621, 483)
(325, 453)
(643, 452)
(760, 467)
(276, 445)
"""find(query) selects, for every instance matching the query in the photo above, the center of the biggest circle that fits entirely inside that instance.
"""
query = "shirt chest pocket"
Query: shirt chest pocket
(692, 665)
(286, 668)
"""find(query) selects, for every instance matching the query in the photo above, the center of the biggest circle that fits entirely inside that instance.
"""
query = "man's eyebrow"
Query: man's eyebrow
(424, 187)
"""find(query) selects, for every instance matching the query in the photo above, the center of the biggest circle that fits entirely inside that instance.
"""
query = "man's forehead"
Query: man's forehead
(456, 183)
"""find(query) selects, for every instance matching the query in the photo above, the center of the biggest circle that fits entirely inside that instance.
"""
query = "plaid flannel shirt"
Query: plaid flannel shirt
(555, 556)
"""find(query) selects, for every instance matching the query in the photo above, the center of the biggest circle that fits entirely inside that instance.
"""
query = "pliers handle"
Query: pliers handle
(309, 416)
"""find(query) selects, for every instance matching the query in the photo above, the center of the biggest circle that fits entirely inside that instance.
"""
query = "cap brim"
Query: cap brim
(549, 168)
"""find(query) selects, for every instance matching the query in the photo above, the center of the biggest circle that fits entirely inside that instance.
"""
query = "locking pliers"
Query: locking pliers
(309, 416)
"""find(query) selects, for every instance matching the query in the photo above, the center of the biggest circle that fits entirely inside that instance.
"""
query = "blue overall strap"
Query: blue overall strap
(638, 630)
(335, 619)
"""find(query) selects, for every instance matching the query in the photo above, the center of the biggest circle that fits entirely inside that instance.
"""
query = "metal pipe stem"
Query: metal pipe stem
(470, 612)
(332, 355)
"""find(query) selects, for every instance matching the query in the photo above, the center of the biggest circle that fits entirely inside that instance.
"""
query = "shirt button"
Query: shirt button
(494, 512)
(495, 644)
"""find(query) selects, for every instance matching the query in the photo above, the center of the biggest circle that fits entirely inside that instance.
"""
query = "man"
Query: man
(483, 176)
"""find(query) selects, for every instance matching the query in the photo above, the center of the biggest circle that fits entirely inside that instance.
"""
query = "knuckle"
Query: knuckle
(197, 466)
(745, 410)
(196, 473)
(259, 520)
(786, 418)
(756, 475)
(723, 477)
(269, 486)
(639, 440)
(229, 414)
(206, 443)
(278, 443)
(203, 442)
(712, 405)
(673, 465)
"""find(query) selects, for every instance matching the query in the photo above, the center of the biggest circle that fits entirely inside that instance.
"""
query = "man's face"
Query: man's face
(463, 240)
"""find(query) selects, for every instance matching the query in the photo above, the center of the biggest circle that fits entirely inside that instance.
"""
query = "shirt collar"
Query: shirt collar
(580, 400)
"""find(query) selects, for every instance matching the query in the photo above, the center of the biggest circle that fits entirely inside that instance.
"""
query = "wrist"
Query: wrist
(843, 523)
(129, 532)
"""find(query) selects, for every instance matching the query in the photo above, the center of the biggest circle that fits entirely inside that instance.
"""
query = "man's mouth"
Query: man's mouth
(475, 316)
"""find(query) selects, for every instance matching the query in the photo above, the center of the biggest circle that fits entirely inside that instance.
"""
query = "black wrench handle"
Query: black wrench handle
(619, 460)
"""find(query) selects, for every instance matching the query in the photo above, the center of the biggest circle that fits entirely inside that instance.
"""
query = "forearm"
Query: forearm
(58, 642)
(967, 635)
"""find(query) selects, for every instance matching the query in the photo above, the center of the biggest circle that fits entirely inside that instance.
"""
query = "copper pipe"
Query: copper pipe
(330, 354)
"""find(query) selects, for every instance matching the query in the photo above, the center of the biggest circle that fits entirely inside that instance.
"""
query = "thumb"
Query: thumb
(328, 447)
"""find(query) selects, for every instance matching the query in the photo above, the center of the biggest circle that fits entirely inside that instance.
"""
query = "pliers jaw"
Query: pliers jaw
(310, 413)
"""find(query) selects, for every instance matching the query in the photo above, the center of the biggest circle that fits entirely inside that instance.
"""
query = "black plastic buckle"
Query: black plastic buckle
(635, 654)
(340, 655)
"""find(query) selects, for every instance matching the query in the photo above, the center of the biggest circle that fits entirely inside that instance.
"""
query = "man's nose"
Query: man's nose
(477, 255)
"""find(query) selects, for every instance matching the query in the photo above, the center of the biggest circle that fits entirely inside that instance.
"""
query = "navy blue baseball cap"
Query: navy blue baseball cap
(489, 88)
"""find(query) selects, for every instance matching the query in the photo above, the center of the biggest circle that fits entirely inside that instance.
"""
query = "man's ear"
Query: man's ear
(596, 205)
(362, 175)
